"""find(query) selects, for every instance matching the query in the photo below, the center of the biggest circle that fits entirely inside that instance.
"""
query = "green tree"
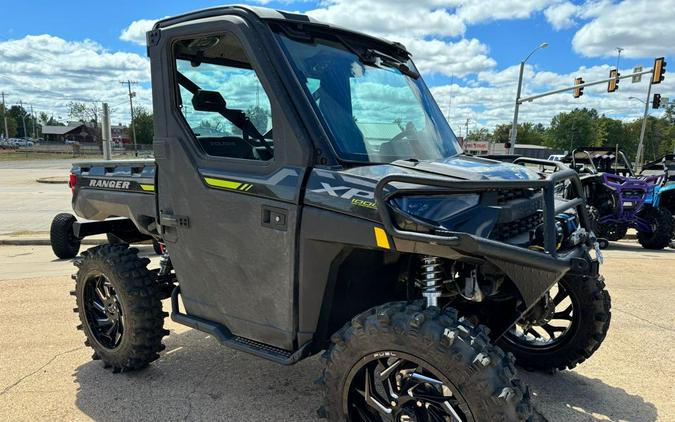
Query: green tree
(11, 123)
(259, 117)
(143, 123)
(85, 113)
(573, 129)
(528, 133)
(20, 115)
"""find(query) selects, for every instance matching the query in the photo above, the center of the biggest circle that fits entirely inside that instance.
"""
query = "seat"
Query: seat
(227, 146)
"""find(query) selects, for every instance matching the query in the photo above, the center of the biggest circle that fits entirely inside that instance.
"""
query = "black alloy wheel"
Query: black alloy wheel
(104, 311)
(402, 388)
(548, 324)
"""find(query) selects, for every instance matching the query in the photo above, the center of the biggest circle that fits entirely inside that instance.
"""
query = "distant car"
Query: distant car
(23, 143)
(555, 157)
(70, 142)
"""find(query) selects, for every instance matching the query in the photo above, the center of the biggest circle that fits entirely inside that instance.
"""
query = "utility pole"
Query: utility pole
(4, 115)
(467, 128)
(23, 118)
(106, 132)
(32, 115)
(131, 108)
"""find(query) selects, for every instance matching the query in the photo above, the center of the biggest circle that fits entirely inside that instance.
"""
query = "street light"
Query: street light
(514, 127)
(636, 98)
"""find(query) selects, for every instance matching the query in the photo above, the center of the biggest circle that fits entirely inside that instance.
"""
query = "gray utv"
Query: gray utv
(312, 198)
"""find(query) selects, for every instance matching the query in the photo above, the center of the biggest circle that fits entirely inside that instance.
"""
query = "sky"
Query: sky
(468, 51)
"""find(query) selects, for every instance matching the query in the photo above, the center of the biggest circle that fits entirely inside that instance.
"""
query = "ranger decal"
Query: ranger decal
(109, 184)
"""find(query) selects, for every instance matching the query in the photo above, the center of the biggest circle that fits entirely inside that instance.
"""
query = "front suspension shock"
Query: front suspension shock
(431, 279)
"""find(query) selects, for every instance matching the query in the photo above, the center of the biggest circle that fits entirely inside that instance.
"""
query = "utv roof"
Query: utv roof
(269, 15)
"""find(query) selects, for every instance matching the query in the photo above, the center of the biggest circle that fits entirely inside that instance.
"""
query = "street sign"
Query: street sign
(664, 101)
(637, 78)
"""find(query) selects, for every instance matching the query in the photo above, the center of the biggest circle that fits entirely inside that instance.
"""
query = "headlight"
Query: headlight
(435, 208)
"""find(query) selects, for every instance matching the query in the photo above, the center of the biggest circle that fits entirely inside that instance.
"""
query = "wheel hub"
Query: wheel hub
(407, 416)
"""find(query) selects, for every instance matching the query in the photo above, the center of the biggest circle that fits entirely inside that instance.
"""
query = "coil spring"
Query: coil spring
(431, 279)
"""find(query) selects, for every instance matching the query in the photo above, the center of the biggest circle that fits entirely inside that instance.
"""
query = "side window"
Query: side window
(222, 99)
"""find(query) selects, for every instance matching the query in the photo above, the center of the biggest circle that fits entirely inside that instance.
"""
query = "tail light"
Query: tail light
(72, 181)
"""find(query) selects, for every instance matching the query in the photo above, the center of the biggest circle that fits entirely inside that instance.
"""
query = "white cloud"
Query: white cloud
(450, 58)
(561, 16)
(135, 32)
(642, 27)
(49, 72)
(391, 18)
(490, 100)
(472, 11)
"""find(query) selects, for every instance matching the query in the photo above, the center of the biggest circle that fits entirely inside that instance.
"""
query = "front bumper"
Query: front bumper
(533, 272)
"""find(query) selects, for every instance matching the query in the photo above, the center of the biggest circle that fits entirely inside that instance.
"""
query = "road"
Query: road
(47, 373)
(27, 207)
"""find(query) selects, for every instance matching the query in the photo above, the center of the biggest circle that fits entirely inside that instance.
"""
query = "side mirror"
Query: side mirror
(211, 101)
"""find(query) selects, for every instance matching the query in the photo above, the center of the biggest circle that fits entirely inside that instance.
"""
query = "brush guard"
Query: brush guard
(550, 260)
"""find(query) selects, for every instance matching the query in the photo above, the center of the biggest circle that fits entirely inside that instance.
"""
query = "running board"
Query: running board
(225, 336)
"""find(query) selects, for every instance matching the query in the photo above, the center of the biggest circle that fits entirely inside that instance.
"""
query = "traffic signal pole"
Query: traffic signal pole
(519, 101)
(640, 152)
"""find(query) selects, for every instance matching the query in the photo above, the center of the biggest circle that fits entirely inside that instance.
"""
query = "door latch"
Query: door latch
(274, 218)
(170, 220)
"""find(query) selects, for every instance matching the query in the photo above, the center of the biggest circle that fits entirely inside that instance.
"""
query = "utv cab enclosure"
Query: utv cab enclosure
(312, 197)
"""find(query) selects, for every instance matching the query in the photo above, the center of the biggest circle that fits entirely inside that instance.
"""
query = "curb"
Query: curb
(44, 242)
(52, 180)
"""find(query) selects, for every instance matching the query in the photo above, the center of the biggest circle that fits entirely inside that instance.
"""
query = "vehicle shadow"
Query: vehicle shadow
(570, 396)
(635, 246)
(198, 379)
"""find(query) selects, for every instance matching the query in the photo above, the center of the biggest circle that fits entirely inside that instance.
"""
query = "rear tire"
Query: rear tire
(119, 306)
(479, 377)
(589, 315)
(662, 226)
(61, 237)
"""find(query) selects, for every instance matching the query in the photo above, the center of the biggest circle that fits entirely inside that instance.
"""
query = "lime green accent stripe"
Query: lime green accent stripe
(220, 183)
(148, 188)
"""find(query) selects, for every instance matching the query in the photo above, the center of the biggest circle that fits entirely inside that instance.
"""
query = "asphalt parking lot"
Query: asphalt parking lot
(46, 372)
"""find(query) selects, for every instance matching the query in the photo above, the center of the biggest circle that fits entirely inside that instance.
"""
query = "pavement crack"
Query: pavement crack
(644, 320)
(194, 390)
(17, 382)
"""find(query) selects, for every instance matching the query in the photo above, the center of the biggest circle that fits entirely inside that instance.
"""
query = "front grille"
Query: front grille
(506, 195)
(633, 192)
(505, 231)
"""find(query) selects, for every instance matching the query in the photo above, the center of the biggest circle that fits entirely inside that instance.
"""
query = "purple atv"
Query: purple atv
(619, 200)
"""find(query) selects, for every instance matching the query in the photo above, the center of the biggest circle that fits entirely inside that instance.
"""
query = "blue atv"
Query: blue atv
(618, 199)
(664, 192)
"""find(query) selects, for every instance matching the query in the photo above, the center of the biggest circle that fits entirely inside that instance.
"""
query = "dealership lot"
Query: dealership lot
(47, 373)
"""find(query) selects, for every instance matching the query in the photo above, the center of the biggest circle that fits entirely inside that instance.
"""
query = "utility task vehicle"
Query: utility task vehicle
(312, 198)
(619, 200)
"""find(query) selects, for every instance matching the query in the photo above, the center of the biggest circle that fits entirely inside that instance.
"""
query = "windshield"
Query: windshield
(377, 110)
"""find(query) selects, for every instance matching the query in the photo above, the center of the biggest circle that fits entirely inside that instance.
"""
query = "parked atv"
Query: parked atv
(619, 200)
(664, 193)
(312, 198)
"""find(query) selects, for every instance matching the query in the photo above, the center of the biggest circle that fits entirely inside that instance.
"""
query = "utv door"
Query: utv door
(228, 191)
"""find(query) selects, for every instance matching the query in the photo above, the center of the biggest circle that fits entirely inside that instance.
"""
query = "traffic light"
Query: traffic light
(578, 92)
(656, 102)
(659, 70)
(613, 84)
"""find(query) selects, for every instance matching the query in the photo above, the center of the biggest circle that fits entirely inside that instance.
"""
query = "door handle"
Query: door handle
(170, 220)
(274, 218)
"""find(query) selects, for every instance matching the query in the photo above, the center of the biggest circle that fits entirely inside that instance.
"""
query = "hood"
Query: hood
(460, 167)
